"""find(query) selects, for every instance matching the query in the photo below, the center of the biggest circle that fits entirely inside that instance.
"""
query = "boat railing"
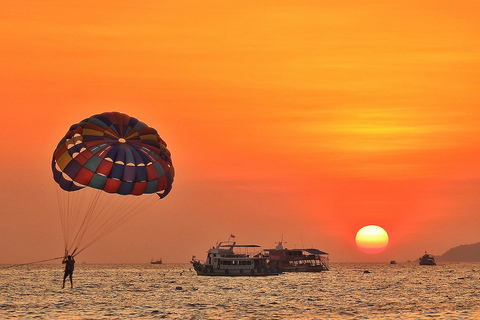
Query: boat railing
(325, 265)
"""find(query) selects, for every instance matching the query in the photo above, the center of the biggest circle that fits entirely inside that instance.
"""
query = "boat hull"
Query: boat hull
(304, 269)
(209, 271)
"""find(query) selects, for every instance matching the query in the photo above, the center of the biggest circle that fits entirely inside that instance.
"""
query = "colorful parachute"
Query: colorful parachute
(116, 154)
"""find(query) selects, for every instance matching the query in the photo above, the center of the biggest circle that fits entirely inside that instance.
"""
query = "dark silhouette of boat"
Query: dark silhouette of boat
(297, 260)
(157, 261)
(427, 260)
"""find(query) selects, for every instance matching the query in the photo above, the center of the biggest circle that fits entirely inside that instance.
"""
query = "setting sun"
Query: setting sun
(371, 239)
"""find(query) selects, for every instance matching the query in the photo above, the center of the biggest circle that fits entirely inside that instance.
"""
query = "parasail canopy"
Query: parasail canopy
(115, 153)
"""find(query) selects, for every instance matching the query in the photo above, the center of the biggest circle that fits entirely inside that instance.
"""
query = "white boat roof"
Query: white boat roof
(314, 251)
(239, 245)
(311, 250)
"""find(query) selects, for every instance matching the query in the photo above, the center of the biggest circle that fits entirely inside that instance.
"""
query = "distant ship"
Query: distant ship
(427, 260)
(233, 260)
(156, 261)
(297, 260)
(393, 262)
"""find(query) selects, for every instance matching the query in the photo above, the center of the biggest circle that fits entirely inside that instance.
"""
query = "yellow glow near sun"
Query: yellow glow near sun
(371, 239)
(374, 130)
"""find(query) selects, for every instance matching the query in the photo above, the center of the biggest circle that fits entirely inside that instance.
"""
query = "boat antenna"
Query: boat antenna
(281, 240)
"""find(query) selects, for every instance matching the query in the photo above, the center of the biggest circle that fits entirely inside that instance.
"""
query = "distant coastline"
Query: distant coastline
(462, 253)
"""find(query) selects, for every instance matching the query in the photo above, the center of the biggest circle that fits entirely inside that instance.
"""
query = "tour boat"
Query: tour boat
(298, 260)
(156, 261)
(427, 260)
(230, 259)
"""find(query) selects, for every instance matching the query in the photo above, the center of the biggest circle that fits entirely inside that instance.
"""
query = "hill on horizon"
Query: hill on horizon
(462, 253)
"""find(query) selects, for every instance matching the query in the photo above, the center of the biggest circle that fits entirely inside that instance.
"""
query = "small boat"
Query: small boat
(393, 262)
(298, 260)
(156, 261)
(230, 259)
(427, 260)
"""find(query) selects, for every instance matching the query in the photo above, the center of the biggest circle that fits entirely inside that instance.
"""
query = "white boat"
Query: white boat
(231, 259)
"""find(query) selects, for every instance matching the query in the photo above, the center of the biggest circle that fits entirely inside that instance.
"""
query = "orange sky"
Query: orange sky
(306, 120)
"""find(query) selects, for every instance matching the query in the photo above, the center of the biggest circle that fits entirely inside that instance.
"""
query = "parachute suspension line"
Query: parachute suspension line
(72, 200)
(108, 225)
(131, 209)
(88, 215)
(63, 215)
(77, 215)
(27, 263)
(123, 210)
(87, 218)
(70, 206)
(100, 217)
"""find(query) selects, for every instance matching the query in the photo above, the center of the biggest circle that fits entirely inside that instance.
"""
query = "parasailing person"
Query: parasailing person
(108, 168)
(69, 262)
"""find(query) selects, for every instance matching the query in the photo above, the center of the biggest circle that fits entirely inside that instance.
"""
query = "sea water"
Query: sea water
(174, 291)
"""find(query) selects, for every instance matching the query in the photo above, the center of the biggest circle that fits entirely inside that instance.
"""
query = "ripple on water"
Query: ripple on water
(139, 291)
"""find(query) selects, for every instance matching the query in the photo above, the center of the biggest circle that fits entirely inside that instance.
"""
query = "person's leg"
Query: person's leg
(71, 279)
(64, 278)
